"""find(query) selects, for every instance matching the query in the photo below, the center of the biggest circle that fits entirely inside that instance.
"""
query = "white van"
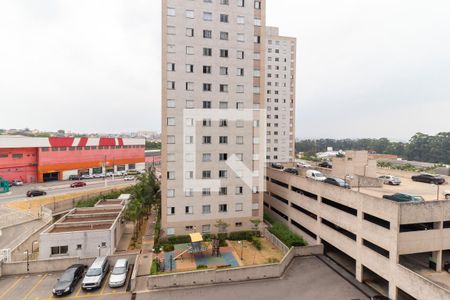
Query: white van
(96, 273)
(316, 175)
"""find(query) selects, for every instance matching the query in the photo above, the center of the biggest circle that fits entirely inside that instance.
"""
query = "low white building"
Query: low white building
(85, 232)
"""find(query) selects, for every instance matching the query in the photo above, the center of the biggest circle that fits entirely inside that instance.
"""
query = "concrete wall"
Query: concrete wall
(17, 253)
(215, 276)
(54, 265)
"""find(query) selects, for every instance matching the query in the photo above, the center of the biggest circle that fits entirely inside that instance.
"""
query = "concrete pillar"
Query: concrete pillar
(359, 271)
(392, 291)
(437, 257)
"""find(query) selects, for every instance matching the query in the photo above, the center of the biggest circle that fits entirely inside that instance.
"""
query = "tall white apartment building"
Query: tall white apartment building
(280, 95)
(213, 118)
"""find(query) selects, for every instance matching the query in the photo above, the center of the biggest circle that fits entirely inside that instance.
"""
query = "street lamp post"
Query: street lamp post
(99, 250)
(242, 249)
(28, 260)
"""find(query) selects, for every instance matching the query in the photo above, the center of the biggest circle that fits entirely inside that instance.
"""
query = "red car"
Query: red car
(78, 184)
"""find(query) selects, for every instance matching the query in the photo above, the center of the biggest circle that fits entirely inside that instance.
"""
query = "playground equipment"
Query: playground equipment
(196, 245)
(4, 185)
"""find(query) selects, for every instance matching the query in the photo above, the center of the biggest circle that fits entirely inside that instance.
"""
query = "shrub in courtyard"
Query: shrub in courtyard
(256, 242)
(285, 235)
(155, 267)
(179, 239)
(168, 248)
(241, 235)
(272, 260)
(202, 267)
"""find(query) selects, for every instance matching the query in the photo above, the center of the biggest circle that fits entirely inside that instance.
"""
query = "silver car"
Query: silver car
(389, 179)
(119, 273)
(96, 273)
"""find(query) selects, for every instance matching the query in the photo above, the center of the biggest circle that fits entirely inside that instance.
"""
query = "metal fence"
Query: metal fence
(274, 240)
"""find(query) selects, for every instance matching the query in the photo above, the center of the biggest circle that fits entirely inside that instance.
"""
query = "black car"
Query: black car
(69, 279)
(326, 164)
(35, 193)
(277, 166)
(74, 177)
(402, 197)
(337, 182)
(428, 178)
(291, 170)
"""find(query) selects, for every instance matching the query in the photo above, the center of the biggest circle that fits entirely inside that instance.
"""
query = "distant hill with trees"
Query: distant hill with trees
(421, 147)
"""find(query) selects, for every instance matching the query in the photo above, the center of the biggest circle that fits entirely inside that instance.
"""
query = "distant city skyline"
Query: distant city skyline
(365, 69)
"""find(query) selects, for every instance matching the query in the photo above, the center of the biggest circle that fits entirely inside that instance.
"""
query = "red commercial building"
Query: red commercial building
(46, 159)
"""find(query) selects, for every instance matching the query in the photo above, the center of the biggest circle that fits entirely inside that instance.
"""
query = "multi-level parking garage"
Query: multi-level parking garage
(400, 249)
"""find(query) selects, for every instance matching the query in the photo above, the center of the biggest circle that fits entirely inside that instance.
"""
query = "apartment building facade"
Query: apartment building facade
(280, 95)
(213, 118)
(400, 249)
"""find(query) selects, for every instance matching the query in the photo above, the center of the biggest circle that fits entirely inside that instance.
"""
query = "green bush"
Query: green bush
(202, 267)
(285, 235)
(157, 248)
(222, 236)
(154, 268)
(241, 235)
(223, 243)
(207, 237)
(256, 242)
(179, 239)
(168, 248)
(272, 260)
(268, 218)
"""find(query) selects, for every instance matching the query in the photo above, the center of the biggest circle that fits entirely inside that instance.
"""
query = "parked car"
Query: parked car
(389, 179)
(74, 177)
(277, 166)
(119, 273)
(35, 193)
(428, 178)
(78, 184)
(316, 175)
(291, 170)
(98, 175)
(86, 176)
(120, 173)
(129, 178)
(302, 164)
(337, 182)
(17, 182)
(402, 197)
(69, 279)
(96, 273)
(326, 164)
(446, 194)
(132, 172)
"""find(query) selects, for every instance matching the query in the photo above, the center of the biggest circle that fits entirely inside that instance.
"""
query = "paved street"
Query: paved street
(306, 279)
(56, 188)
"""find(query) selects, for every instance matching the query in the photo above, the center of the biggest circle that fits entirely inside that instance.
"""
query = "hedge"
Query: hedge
(257, 243)
(285, 235)
(241, 235)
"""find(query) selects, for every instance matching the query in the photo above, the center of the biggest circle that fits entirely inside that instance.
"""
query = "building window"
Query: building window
(189, 193)
(206, 192)
(190, 32)
(171, 175)
(223, 191)
(206, 69)
(206, 157)
(223, 88)
(79, 246)
(206, 104)
(238, 224)
(189, 50)
(206, 209)
(17, 155)
(223, 208)
(170, 193)
(207, 52)
(241, 3)
(171, 12)
(223, 140)
(59, 250)
(223, 123)
(189, 68)
(189, 228)
(207, 87)
(223, 18)
(207, 34)
(223, 156)
(171, 121)
(240, 54)
(240, 20)
(223, 174)
(240, 72)
(224, 36)
(206, 174)
(206, 228)
(206, 140)
(239, 140)
(207, 16)
(189, 210)
(239, 190)
(170, 139)
(223, 53)
(171, 211)
(207, 122)
(223, 71)
(223, 105)
(189, 14)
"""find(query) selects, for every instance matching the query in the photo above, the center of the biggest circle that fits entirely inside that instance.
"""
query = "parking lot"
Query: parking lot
(39, 287)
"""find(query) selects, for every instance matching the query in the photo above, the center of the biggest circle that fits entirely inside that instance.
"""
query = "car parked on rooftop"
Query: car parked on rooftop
(315, 175)
(35, 193)
(337, 182)
(389, 179)
(96, 273)
(291, 171)
(78, 184)
(402, 197)
(428, 178)
(119, 273)
(302, 164)
(326, 164)
(68, 280)
(277, 166)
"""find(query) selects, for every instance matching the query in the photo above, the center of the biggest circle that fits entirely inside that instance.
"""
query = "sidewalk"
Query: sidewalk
(146, 256)
(125, 240)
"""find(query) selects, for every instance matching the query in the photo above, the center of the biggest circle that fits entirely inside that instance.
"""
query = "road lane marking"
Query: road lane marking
(34, 286)
(11, 287)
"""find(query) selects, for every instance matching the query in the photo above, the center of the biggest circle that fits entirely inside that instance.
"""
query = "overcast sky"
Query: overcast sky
(365, 68)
